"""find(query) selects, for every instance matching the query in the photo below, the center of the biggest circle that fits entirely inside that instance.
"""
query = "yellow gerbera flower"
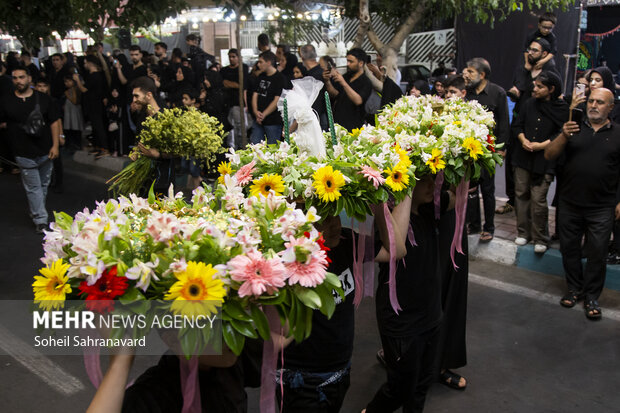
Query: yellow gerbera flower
(327, 183)
(51, 288)
(403, 156)
(473, 146)
(266, 183)
(436, 162)
(196, 292)
(397, 178)
(224, 169)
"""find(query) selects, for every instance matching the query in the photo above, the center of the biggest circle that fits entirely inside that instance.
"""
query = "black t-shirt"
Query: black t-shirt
(538, 35)
(330, 345)
(97, 88)
(347, 113)
(158, 389)
(319, 104)
(14, 111)
(591, 172)
(131, 74)
(493, 98)
(57, 82)
(267, 88)
(418, 282)
(232, 74)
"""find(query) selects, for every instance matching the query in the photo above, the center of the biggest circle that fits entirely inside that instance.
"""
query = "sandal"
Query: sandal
(485, 236)
(504, 209)
(570, 299)
(452, 380)
(593, 310)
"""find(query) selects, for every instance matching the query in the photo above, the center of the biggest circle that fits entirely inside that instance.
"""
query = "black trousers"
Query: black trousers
(487, 187)
(410, 372)
(510, 177)
(306, 398)
(596, 224)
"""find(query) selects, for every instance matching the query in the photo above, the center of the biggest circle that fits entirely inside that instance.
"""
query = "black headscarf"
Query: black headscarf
(607, 75)
(555, 109)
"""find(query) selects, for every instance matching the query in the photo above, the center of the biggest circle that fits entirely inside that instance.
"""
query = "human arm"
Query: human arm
(119, 72)
(618, 212)
(539, 65)
(229, 84)
(352, 94)
(79, 84)
(257, 114)
(55, 128)
(329, 86)
(399, 218)
(111, 392)
(271, 107)
(556, 146)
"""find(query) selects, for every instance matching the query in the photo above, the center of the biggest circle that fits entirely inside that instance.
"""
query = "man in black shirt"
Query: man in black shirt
(33, 152)
(95, 91)
(493, 98)
(230, 77)
(265, 99)
(57, 76)
(308, 57)
(351, 91)
(589, 185)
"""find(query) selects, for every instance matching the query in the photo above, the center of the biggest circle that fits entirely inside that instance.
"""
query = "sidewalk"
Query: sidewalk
(502, 249)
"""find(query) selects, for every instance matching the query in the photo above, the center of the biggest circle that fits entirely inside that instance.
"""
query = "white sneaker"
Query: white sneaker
(540, 248)
(520, 241)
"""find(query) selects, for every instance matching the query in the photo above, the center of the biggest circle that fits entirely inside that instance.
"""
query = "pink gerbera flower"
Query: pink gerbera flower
(244, 174)
(257, 274)
(373, 176)
(310, 274)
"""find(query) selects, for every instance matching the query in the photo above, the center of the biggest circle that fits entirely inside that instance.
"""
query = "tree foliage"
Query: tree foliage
(93, 17)
(29, 21)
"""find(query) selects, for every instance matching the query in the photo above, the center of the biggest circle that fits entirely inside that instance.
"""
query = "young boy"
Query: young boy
(546, 23)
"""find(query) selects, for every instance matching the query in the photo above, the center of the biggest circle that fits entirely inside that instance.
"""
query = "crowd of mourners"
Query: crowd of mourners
(573, 139)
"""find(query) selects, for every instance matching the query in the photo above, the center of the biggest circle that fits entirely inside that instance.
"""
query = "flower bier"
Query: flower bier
(224, 254)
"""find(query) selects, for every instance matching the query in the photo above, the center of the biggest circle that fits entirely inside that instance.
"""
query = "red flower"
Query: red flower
(100, 295)
(491, 143)
(321, 242)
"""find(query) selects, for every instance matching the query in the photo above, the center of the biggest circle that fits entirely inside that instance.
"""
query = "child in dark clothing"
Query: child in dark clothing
(546, 23)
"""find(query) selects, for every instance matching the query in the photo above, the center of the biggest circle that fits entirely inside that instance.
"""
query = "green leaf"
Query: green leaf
(308, 297)
(151, 197)
(244, 327)
(332, 279)
(260, 322)
(234, 340)
(234, 309)
(327, 300)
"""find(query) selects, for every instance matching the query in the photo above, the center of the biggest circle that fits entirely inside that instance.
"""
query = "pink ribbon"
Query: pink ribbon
(410, 236)
(92, 363)
(392, 273)
(460, 209)
(358, 266)
(270, 363)
(437, 195)
(190, 385)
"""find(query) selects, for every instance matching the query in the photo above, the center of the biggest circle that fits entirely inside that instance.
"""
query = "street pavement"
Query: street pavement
(525, 352)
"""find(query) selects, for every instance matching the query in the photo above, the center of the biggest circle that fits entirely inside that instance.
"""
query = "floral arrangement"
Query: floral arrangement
(235, 254)
(452, 135)
(355, 174)
(184, 132)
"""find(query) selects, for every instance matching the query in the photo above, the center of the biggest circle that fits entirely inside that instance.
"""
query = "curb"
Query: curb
(550, 263)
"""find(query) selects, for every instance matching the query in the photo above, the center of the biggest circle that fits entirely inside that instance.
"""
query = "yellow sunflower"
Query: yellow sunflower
(436, 162)
(266, 183)
(397, 178)
(327, 183)
(51, 288)
(403, 156)
(473, 146)
(224, 169)
(196, 292)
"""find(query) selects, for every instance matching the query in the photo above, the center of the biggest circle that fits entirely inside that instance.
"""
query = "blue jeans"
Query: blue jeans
(273, 133)
(36, 174)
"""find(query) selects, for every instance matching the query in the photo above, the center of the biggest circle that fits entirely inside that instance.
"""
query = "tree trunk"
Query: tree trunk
(364, 17)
